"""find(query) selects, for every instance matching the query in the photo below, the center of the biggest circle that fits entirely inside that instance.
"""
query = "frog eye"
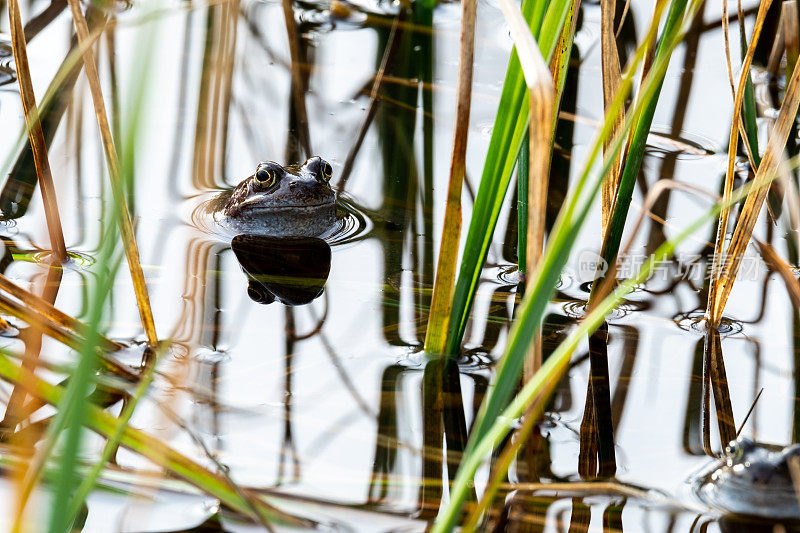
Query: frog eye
(327, 171)
(737, 448)
(265, 177)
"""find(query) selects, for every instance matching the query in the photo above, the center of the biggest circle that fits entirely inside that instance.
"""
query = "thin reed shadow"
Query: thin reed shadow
(597, 457)
(708, 380)
(715, 383)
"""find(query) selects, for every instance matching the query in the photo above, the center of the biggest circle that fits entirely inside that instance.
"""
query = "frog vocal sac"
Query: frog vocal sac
(290, 201)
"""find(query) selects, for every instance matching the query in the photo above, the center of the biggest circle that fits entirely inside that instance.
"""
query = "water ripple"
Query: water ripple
(696, 321)
(7, 73)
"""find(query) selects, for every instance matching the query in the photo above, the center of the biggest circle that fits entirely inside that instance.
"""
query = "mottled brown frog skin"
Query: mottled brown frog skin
(291, 201)
(751, 479)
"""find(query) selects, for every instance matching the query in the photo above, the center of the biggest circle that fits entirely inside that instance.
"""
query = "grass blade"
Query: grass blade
(91, 477)
(562, 237)
(509, 129)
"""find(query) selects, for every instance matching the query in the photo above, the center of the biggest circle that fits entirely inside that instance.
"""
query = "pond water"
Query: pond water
(317, 394)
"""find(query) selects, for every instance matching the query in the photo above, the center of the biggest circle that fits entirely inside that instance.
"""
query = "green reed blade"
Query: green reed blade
(523, 161)
(539, 388)
(509, 129)
(750, 126)
(569, 222)
(91, 477)
(76, 409)
(127, 154)
(635, 155)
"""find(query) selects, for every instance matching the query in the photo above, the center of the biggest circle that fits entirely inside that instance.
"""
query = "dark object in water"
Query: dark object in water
(290, 270)
(751, 479)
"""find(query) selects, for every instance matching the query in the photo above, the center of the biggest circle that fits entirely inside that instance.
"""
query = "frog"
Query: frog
(751, 479)
(280, 201)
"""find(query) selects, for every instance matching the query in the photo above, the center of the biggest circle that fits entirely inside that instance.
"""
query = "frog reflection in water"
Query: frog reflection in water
(292, 270)
(751, 479)
(291, 201)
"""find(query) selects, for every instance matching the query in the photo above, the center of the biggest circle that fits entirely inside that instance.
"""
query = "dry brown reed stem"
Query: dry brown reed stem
(716, 271)
(755, 199)
(213, 94)
(224, 46)
(53, 328)
(776, 263)
(791, 34)
(727, 40)
(45, 309)
(35, 133)
(539, 80)
(112, 159)
(229, 61)
(436, 334)
(612, 77)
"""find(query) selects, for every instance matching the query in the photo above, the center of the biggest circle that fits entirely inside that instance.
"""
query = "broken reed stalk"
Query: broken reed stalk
(722, 284)
(436, 333)
(35, 133)
(776, 263)
(37, 305)
(112, 159)
(716, 270)
(612, 77)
